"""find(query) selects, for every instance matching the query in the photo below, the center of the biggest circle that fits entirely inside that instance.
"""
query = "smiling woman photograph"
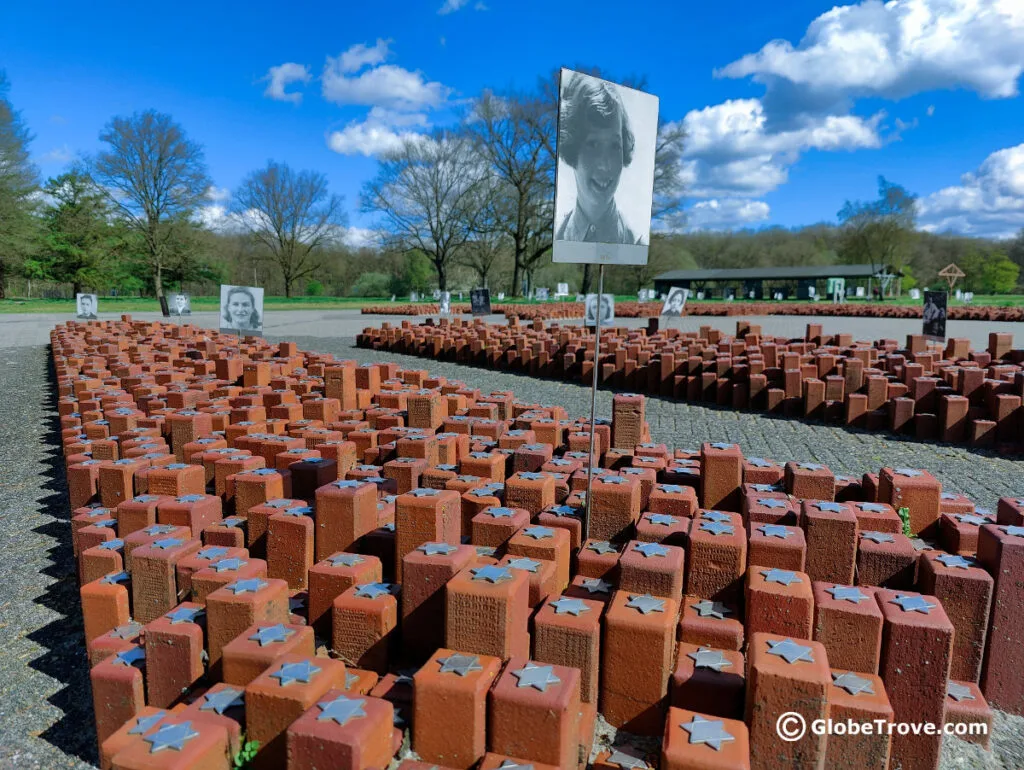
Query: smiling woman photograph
(241, 309)
(606, 141)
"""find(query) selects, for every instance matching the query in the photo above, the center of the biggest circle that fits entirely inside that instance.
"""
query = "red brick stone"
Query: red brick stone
(866, 703)
(831, 533)
(778, 602)
(710, 679)
(360, 738)
(775, 545)
(721, 472)
(365, 622)
(345, 511)
(1001, 552)
(717, 556)
(487, 612)
(232, 609)
(425, 573)
(810, 481)
(280, 695)
(425, 516)
(117, 690)
(916, 653)
(637, 628)
(449, 719)
(290, 546)
(914, 489)
(258, 647)
(616, 506)
(679, 750)
(652, 568)
(206, 746)
(105, 604)
(966, 706)
(534, 713)
(848, 624)
(567, 632)
(885, 559)
(776, 686)
(708, 623)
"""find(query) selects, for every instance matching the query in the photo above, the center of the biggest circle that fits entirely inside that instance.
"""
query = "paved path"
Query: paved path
(45, 702)
(18, 330)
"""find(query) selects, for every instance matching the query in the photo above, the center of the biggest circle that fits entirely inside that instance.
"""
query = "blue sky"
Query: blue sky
(792, 107)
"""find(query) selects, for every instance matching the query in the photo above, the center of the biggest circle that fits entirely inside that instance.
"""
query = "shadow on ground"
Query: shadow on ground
(65, 659)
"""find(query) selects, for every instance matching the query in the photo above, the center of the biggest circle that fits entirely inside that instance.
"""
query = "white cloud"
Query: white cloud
(357, 237)
(361, 55)
(988, 202)
(218, 194)
(62, 154)
(386, 85)
(370, 137)
(725, 214)
(732, 151)
(451, 6)
(931, 110)
(892, 50)
(281, 76)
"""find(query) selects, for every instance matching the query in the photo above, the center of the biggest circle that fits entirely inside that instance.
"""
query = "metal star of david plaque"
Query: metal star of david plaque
(566, 606)
(646, 604)
(959, 692)
(524, 564)
(222, 700)
(872, 507)
(602, 547)
(705, 657)
(850, 594)
(289, 673)
(595, 586)
(913, 603)
(878, 537)
(130, 657)
(650, 550)
(249, 586)
(830, 507)
(115, 577)
(170, 737)
(211, 552)
(345, 560)
(436, 549)
(710, 732)
(954, 561)
(112, 545)
(228, 565)
(341, 710)
(709, 609)
(661, 519)
(272, 635)
(772, 502)
(780, 576)
(144, 724)
(537, 677)
(373, 590)
(460, 664)
(620, 758)
(910, 473)
(853, 684)
(716, 528)
(127, 631)
(491, 574)
(715, 516)
(774, 530)
(790, 651)
(811, 466)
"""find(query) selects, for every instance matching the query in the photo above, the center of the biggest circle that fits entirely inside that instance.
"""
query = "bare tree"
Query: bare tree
(481, 254)
(514, 133)
(428, 196)
(292, 216)
(156, 178)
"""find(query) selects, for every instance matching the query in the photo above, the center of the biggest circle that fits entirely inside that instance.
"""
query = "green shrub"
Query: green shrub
(314, 289)
(372, 285)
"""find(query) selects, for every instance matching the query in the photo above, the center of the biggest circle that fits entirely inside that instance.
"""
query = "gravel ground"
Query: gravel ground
(45, 702)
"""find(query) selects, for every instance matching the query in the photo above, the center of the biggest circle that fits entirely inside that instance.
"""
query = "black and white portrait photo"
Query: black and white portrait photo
(542, 295)
(934, 314)
(604, 184)
(241, 309)
(445, 299)
(85, 307)
(181, 304)
(607, 305)
(480, 301)
(675, 302)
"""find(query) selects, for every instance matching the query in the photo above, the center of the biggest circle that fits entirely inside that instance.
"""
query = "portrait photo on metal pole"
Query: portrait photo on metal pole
(241, 309)
(604, 183)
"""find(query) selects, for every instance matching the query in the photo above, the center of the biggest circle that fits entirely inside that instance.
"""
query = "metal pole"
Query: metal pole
(593, 400)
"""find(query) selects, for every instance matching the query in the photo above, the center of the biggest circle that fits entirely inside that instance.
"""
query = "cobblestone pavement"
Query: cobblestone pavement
(982, 476)
(46, 716)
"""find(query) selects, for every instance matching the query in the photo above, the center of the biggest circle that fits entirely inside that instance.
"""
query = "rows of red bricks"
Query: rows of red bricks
(944, 393)
(550, 310)
(331, 559)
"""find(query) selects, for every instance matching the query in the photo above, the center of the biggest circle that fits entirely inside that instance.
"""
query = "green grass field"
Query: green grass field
(149, 304)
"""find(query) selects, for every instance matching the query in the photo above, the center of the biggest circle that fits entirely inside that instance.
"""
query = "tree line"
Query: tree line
(464, 206)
